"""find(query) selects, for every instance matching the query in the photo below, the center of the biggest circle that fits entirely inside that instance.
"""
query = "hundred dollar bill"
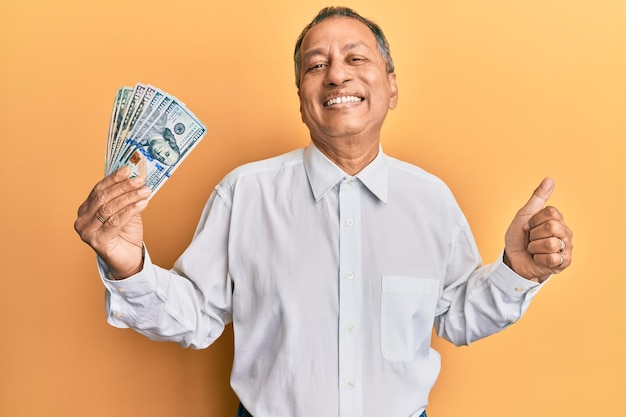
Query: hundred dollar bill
(121, 98)
(137, 113)
(151, 113)
(120, 110)
(111, 124)
(164, 144)
(133, 102)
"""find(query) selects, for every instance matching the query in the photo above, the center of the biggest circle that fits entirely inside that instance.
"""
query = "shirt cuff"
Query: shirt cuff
(511, 283)
(134, 286)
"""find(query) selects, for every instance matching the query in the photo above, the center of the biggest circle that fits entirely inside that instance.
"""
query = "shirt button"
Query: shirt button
(350, 328)
(351, 384)
(349, 222)
(117, 315)
(519, 289)
(350, 275)
(121, 290)
(513, 320)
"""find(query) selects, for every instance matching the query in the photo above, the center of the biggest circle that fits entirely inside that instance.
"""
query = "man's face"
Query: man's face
(161, 150)
(345, 90)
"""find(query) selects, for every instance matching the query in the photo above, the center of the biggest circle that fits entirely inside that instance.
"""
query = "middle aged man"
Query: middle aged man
(332, 262)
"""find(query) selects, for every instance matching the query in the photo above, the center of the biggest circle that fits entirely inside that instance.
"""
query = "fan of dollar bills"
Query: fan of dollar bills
(152, 132)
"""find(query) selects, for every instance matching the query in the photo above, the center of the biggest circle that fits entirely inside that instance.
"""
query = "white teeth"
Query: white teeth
(344, 99)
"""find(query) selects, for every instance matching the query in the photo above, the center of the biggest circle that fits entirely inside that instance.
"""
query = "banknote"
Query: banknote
(121, 98)
(153, 111)
(152, 132)
(128, 111)
(136, 111)
(107, 155)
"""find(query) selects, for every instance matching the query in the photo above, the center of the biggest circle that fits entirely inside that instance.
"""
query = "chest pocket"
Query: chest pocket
(407, 312)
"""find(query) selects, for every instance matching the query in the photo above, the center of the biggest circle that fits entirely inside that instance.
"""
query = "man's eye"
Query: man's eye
(316, 67)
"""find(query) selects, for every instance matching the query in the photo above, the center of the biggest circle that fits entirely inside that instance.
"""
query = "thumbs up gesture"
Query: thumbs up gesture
(538, 243)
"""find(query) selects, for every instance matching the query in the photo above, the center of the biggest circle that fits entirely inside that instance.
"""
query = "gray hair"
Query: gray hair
(383, 45)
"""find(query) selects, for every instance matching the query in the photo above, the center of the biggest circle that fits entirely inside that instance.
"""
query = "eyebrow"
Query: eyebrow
(320, 51)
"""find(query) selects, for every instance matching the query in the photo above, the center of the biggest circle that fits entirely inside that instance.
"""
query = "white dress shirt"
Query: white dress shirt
(332, 282)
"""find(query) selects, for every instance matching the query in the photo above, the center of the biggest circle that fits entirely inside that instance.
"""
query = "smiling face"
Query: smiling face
(345, 90)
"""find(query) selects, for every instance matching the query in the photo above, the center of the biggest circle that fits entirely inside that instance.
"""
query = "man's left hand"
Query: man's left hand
(538, 243)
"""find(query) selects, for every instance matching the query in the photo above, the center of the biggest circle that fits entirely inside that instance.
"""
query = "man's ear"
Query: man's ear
(300, 102)
(393, 85)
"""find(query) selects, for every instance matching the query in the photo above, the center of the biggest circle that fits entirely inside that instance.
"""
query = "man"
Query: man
(332, 262)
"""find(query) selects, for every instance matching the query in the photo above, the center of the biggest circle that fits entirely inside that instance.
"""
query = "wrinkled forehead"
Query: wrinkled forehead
(340, 31)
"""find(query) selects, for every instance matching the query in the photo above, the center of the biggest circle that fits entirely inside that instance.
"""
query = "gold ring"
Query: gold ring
(100, 218)
(562, 245)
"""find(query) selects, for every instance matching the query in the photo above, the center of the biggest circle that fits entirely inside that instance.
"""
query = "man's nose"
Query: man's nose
(338, 72)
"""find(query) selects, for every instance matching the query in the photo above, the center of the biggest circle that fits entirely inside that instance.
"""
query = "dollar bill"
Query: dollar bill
(119, 105)
(153, 111)
(136, 113)
(152, 132)
(137, 95)
(107, 155)
(165, 144)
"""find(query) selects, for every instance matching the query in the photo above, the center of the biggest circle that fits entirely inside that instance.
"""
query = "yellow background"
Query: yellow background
(494, 96)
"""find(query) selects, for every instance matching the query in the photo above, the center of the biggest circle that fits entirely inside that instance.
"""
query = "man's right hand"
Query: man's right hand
(109, 221)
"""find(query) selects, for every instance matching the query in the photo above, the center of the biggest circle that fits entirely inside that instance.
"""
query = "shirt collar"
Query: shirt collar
(323, 174)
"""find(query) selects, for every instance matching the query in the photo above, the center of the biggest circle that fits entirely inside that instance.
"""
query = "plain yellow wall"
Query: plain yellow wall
(494, 96)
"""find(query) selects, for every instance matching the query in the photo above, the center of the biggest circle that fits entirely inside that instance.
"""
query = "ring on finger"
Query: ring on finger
(562, 245)
(560, 263)
(100, 218)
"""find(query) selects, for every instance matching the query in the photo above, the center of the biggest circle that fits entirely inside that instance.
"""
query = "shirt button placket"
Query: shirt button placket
(350, 294)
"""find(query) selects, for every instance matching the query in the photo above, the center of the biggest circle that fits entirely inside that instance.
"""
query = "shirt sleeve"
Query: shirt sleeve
(477, 300)
(189, 304)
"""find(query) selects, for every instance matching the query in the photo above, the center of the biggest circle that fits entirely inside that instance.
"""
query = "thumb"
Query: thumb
(539, 198)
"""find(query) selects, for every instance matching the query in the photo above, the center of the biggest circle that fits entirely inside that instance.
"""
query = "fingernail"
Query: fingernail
(125, 170)
(145, 191)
